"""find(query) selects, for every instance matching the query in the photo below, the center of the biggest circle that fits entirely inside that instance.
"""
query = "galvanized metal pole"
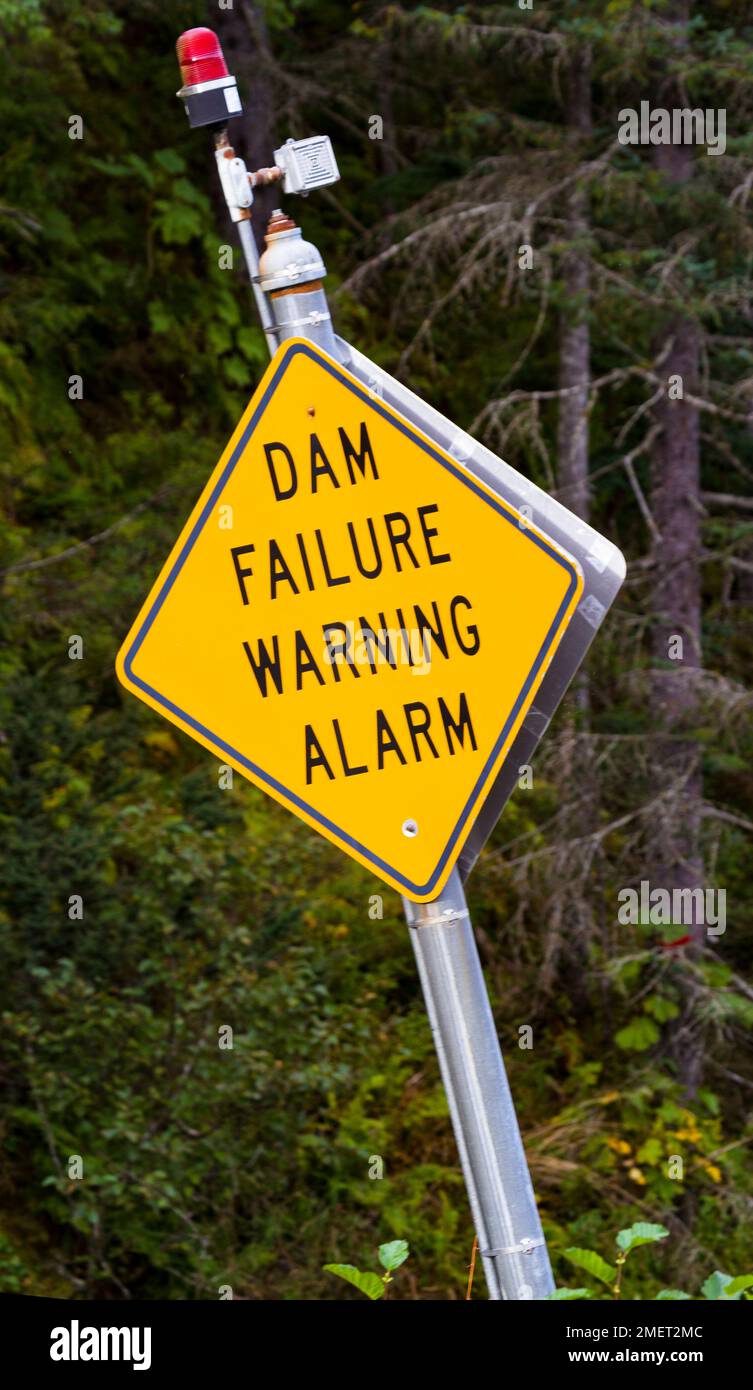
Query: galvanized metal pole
(237, 188)
(251, 256)
(511, 1241)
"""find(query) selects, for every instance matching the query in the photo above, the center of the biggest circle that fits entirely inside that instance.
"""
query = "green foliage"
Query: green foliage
(637, 1036)
(593, 1264)
(718, 1286)
(365, 1281)
(391, 1255)
(14, 1273)
(726, 1287)
(641, 1233)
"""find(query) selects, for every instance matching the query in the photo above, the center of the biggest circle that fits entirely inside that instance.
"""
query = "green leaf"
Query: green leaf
(592, 1263)
(726, 1286)
(236, 371)
(171, 161)
(709, 1100)
(252, 344)
(651, 1151)
(219, 337)
(177, 223)
(637, 1036)
(660, 1008)
(188, 192)
(642, 1233)
(741, 1282)
(674, 1294)
(363, 1280)
(160, 319)
(560, 1295)
(393, 1254)
(226, 306)
(715, 1285)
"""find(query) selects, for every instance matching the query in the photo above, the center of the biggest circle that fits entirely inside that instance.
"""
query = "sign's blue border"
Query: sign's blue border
(211, 503)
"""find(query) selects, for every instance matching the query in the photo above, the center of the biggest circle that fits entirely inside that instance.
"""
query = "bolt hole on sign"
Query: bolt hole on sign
(353, 620)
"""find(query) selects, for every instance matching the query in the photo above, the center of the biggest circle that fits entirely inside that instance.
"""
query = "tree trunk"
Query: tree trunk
(575, 336)
(675, 503)
(573, 491)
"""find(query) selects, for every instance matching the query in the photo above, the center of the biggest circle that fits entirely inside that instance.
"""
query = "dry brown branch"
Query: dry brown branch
(727, 499)
(716, 813)
(472, 1268)
(90, 540)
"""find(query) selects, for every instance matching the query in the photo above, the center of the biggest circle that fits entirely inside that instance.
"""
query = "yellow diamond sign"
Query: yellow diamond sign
(353, 621)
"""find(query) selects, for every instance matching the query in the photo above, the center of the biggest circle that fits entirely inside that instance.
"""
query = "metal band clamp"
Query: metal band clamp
(311, 320)
(444, 919)
(524, 1247)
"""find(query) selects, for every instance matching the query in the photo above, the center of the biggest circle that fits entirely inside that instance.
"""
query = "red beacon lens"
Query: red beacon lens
(200, 57)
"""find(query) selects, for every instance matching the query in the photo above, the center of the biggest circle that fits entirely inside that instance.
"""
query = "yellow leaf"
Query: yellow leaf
(163, 740)
(55, 799)
(618, 1145)
(608, 1097)
(637, 1176)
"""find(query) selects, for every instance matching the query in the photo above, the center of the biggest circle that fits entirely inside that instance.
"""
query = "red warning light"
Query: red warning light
(200, 57)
